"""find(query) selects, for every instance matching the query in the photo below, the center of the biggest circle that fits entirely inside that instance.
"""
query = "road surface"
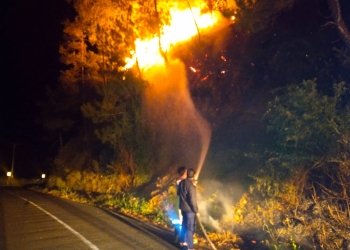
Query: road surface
(30, 220)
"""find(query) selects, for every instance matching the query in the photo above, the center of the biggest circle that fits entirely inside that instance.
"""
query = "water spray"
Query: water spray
(181, 131)
(205, 133)
(169, 85)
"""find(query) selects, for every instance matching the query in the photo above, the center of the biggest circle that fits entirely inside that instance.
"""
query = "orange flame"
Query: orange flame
(182, 124)
(184, 25)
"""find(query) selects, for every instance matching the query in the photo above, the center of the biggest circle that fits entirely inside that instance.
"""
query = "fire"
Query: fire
(184, 25)
(168, 106)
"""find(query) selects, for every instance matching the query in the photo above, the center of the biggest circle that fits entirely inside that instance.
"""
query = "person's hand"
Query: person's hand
(197, 214)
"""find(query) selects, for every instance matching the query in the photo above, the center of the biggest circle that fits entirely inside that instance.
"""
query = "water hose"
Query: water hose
(205, 233)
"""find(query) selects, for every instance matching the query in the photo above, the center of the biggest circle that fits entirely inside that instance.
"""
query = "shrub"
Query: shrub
(301, 199)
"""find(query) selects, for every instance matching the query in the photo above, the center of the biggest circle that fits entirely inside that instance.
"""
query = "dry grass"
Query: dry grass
(300, 212)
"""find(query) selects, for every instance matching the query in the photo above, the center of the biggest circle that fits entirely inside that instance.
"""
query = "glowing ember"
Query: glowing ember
(223, 58)
(205, 78)
(193, 69)
(185, 24)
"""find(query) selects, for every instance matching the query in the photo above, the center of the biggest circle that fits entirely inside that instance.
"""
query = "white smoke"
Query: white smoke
(215, 201)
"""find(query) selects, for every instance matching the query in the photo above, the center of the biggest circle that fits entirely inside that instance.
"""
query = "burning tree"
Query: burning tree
(108, 37)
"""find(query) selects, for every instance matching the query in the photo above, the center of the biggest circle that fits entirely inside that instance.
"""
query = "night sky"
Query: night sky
(30, 34)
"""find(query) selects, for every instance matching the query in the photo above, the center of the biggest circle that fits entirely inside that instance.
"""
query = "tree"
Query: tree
(307, 125)
(256, 16)
(102, 35)
(96, 41)
(117, 122)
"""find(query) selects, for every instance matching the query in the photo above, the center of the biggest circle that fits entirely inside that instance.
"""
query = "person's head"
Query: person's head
(182, 172)
(190, 173)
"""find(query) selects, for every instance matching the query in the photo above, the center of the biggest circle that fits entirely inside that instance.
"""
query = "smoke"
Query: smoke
(180, 133)
(215, 203)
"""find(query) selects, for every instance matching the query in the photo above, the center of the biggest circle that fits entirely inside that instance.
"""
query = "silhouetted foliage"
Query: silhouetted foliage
(308, 125)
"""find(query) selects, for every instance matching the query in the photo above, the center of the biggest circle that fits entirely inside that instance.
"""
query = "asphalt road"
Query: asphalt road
(30, 220)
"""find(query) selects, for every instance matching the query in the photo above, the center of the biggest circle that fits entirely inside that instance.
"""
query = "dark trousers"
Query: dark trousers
(188, 228)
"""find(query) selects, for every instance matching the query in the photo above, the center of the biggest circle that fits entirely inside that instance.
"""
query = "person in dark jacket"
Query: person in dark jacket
(188, 206)
(182, 175)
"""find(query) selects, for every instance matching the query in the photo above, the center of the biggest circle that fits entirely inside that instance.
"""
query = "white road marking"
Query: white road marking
(81, 237)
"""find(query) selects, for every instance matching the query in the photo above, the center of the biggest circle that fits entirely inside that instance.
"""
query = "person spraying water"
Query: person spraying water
(189, 209)
(182, 175)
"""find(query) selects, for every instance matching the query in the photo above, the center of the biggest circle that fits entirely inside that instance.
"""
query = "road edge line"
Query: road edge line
(76, 233)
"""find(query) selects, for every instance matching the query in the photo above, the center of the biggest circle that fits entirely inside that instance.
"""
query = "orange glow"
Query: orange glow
(184, 25)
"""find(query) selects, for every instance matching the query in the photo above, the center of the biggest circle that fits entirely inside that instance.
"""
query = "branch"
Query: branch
(338, 20)
(163, 53)
(194, 20)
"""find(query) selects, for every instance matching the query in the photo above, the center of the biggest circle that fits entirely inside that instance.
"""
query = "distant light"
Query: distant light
(43, 176)
(9, 174)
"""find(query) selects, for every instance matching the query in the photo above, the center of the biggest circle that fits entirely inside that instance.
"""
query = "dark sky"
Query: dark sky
(30, 34)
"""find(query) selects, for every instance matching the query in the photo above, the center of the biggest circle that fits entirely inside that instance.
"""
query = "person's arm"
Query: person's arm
(193, 198)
